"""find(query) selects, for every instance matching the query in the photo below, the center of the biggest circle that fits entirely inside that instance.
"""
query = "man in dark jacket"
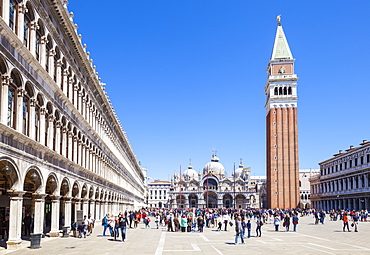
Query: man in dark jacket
(123, 226)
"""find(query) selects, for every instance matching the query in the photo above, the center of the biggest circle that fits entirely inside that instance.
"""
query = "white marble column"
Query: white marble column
(42, 126)
(85, 207)
(15, 220)
(22, 9)
(92, 208)
(31, 119)
(57, 137)
(55, 213)
(5, 81)
(75, 96)
(65, 82)
(19, 110)
(58, 79)
(75, 149)
(70, 89)
(80, 107)
(50, 60)
(32, 42)
(50, 132)
(42, 51)
(5, 11)
(70, 145)
(64, 141)
(77, 207)
(67, 212)
(39, 200)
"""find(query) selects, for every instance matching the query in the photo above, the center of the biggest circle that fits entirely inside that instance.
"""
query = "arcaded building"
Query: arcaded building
(344, 180)
(282, 164)
(212, 188)
(62, 147)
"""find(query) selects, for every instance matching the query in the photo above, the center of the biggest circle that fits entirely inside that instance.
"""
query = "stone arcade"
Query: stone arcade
(62, 147)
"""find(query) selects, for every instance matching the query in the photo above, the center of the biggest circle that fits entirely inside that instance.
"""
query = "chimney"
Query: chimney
(340, 151)
(351, 147)
(364, 141)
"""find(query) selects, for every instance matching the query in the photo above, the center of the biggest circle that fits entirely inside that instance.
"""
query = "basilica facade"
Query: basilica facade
(63, 150)
(212, 188)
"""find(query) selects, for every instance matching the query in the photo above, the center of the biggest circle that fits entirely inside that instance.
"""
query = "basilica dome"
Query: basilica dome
(239, 172)
(214, 167)
(190, 172)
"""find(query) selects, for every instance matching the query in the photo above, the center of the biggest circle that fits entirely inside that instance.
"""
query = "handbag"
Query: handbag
(231, 224)
(352, 225)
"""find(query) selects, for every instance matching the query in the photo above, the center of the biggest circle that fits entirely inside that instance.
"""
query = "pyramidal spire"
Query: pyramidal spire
(281, 48)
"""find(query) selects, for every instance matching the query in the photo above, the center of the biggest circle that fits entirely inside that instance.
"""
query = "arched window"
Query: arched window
(276, 91)
(289, 90)
(280, 91)
(285, 91)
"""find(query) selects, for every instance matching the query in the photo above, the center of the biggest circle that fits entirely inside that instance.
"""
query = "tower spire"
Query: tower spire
(281, 48)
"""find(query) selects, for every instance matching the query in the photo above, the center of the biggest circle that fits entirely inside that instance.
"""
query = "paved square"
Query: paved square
(309, 239)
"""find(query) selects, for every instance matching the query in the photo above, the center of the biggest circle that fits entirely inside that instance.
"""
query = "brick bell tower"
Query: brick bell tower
(282, 166)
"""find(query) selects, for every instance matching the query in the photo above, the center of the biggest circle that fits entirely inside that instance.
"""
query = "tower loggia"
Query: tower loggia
(282, 165)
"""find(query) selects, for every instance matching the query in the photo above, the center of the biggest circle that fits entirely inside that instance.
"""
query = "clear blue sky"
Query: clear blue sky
(188, 76)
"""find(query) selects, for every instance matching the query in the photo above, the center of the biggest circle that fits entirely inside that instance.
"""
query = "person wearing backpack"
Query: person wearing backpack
(105, 223)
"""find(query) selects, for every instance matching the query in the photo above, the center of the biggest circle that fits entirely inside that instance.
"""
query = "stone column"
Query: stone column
(5, 81)
(77, 207)
(92, 208)
(31, 119)
(70, 142)
(54, 232)
(67, 212)
(82, 151)
(39, 200)
(19, 110)
(42, 51)
(42, 126)
(70, 89)
(22, 9)
(32, 43)
(75, 148)
(97, 211)
(57, 137)
(65, 82)
(51, 132)
(64, 141)
(50, 60)
(58, 79)
(80, 107)
(85, 206)
(83, 107)
(106, 209)
(15, 220)
(75, 96)
(5, 11)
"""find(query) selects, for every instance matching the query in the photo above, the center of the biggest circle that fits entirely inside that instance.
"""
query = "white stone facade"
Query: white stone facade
(158, 194)
(62, 147)
(213, 189)
(343, 181)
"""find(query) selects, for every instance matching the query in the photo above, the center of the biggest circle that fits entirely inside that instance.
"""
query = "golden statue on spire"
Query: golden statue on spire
(278, 18)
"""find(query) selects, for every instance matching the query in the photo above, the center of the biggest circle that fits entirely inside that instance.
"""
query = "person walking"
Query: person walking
(226, 219)
(259, 224)
(295, 220)
(276, 223)
(105, 223)
(286, 222)
(200, 223)
(123, 226)
(345, 222)
(238, 230)
(27, 224)
(249, 227)
(183, 223)
(355, 219)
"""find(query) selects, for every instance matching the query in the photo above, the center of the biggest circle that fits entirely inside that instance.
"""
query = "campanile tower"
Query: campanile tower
(282, 166)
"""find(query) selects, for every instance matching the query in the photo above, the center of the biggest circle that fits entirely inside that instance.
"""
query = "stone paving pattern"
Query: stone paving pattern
(309, 239)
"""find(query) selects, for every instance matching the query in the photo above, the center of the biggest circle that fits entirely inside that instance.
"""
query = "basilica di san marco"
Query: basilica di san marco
(214, 189)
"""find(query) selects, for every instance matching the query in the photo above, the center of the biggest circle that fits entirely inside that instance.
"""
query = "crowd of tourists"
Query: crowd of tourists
(196, 220)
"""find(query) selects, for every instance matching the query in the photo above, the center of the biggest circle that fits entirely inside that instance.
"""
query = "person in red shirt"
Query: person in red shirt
(345, 223)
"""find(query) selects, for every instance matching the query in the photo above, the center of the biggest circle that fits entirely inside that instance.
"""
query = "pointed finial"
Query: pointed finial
(278, 18)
